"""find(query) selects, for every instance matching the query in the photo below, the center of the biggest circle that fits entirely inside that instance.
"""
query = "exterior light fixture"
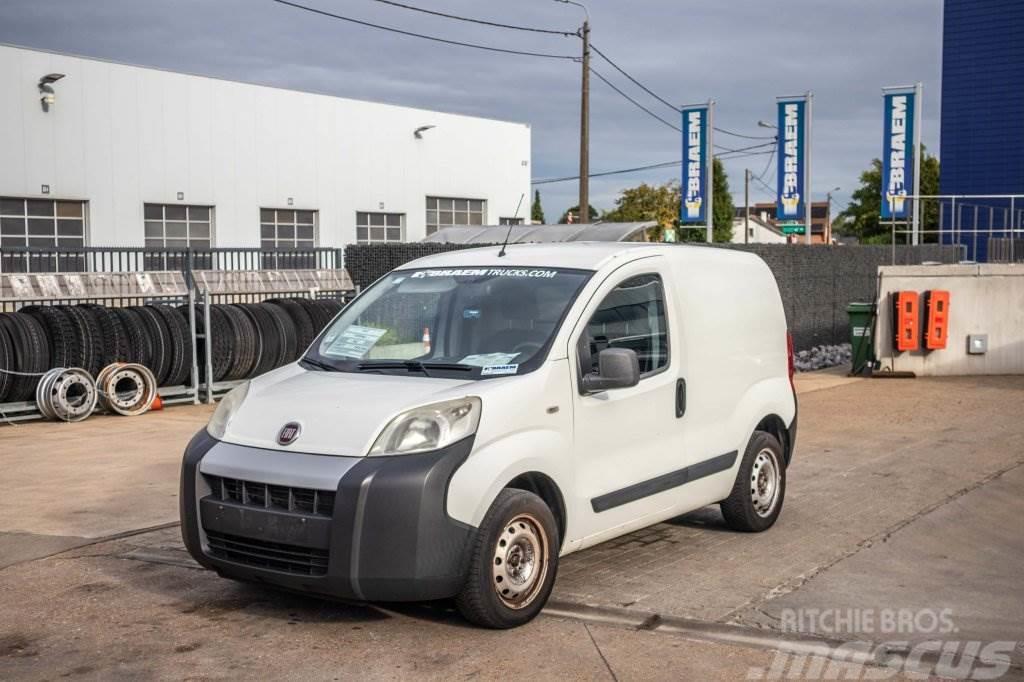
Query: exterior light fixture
(46, 89)
(418, 133)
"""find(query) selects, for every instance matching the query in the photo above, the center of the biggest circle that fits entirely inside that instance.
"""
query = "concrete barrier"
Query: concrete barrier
(984, 299)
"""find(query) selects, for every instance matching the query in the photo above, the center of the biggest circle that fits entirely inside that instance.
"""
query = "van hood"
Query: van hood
(340, 413)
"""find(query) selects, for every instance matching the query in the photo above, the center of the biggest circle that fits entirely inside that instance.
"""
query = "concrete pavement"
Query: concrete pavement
(904, 495)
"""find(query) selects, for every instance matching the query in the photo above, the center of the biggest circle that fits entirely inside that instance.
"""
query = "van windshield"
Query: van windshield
(472, 323)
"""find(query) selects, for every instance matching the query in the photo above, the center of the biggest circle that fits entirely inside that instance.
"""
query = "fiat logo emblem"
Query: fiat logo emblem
(289, 433)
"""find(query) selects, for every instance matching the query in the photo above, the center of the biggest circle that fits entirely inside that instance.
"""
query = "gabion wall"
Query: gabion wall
(816, 282)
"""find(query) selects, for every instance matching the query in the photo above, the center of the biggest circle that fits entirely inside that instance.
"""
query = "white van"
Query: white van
(472, 416)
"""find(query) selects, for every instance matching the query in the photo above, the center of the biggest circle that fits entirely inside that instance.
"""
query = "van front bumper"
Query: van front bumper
(377, 528)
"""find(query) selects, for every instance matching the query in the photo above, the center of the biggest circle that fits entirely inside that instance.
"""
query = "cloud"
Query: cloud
(742, 53)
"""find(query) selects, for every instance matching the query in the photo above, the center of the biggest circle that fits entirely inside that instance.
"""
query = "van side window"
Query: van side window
(631, 316)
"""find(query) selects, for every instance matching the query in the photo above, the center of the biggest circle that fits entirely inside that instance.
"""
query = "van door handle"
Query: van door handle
(680, 397)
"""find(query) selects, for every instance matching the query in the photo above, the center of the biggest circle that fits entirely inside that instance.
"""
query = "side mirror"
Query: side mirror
(617, 368)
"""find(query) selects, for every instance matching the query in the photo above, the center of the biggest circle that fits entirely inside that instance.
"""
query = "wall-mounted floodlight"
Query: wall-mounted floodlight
(46, 89)
(418, 133)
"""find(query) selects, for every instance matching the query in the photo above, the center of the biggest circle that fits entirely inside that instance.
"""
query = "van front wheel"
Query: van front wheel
(756, 498)
(513, 562)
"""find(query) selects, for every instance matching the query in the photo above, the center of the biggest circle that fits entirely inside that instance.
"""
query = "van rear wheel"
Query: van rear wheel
(513, 562)
(756, 498)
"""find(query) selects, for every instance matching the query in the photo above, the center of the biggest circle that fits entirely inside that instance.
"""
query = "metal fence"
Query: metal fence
(990, 227)
(20, 259)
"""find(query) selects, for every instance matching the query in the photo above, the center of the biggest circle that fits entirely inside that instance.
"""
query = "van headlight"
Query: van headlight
(229, 404)
(430, 427)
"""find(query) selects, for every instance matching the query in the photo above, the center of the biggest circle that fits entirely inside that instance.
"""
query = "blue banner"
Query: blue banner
(790, 201)
(694, 207)
(898, 155)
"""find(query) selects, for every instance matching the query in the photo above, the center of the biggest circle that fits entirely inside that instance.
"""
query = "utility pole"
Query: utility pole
(585, 127)
(746, 205)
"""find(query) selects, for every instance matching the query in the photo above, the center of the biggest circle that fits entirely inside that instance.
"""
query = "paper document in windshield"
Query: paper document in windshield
(487, 359)
(355, 342)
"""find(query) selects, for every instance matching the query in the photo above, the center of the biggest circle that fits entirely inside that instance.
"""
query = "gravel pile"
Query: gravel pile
(821, 357)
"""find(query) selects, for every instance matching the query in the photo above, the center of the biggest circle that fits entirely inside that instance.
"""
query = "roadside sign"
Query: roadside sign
(792, 229)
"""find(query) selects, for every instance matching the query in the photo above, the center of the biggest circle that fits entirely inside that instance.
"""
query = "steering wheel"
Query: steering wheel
(524, 346)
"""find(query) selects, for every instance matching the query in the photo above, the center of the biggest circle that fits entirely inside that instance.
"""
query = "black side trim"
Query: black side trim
(660, 484)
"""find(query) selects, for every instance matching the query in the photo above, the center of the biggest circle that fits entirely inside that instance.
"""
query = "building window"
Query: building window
(380, 227)
(287, 228)
(510, 221)
(177, 226)
(442, 212)
(46, 223)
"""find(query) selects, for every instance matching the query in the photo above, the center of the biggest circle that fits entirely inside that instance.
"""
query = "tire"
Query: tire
(159, 337)
(90, 339)
(330, 309)
(270, 343)
(304, 333)
(496, 561)
(286, 330)
(760, 488)
(317, 315)
(138, 345)
(180, 344)
(245, 341)
(31, 354)
(115, 338)
(7, 362)
(220, 341)
(62, 337)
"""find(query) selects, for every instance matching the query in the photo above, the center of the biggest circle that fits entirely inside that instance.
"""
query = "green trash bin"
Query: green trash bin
(862, 317)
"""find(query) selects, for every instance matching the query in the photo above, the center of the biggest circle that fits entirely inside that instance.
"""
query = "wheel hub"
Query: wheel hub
(764, 483)
(520, 561)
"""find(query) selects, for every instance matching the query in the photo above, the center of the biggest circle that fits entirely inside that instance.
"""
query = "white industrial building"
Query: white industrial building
(97, 153)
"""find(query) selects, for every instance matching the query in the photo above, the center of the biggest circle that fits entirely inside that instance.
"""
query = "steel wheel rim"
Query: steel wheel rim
(765, 483)
(519, 563)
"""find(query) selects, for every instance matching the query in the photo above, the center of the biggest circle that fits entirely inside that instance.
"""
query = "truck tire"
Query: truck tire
(31, 354)
(512, 564)
(760, 488)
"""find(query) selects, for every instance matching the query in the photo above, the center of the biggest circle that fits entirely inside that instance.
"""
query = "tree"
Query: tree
(575, 210)
(536, 211)
(722, 211)
(861, 218)
(645, 203)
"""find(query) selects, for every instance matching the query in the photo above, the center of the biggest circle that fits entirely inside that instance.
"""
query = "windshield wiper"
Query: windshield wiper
(320, 365)
(412, 366)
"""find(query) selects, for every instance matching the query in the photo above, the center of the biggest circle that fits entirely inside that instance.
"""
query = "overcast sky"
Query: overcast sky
(742, 53)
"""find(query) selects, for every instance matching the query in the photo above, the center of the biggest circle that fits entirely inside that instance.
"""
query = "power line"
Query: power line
(743, 149)
(634, 102)
(634, 80)
(478, 21)
(746, 137)
(636, 169)
(424, 36)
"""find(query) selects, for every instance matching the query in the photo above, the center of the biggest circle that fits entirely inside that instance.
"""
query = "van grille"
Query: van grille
(276, 497)
(273, 555)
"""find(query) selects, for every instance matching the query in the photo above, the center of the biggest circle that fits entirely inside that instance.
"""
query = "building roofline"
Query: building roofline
(318, 93)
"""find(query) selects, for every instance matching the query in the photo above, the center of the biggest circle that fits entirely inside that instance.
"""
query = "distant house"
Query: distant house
(821, 220)
(760, 231)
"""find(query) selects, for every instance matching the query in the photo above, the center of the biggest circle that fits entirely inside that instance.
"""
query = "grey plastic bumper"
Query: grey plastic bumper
(389, 537)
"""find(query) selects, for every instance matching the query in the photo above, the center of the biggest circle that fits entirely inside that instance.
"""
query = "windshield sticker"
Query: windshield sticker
(499, 369)
(355, 342)
(486, 272)
(488, 359)
(471, 314)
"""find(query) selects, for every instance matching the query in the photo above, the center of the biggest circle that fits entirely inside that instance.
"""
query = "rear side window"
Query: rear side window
(631, 316)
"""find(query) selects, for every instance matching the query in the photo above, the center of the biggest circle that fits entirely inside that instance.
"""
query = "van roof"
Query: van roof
(577, 255)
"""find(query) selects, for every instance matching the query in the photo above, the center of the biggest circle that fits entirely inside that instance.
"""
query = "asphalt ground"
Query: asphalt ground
(901, 527)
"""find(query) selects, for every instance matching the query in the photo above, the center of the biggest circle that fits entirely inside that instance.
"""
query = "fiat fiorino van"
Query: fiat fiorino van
(471, 417)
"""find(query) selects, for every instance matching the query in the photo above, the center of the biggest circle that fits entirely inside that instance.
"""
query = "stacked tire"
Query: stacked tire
(91, 337)
(249, 339)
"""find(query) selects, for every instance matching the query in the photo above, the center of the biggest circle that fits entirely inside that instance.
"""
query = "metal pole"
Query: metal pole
(918, 105)
(1013, 228)
(975, 253)
(952, 220)
(808, 204)
(709, 154)
(585, 128)
(826, 231)
(192, 334)
(892, 226)
(746, 206)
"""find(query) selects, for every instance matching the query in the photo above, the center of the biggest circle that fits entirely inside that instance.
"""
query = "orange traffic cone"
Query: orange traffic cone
(426, 339)
(157, 404)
